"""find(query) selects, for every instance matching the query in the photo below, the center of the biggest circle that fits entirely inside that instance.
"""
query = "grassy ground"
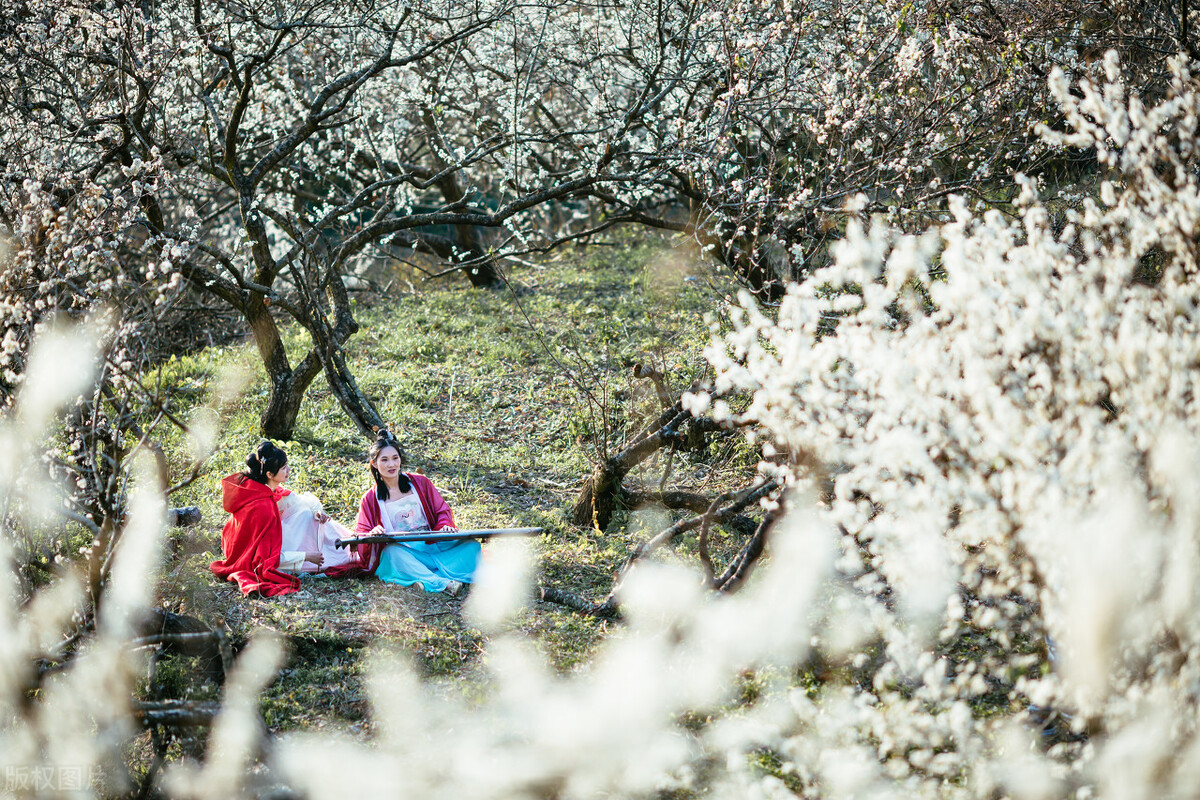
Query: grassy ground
(502, 398)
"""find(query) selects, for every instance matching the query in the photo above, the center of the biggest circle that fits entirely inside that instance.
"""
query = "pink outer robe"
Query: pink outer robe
(436, 511)
(251, 539)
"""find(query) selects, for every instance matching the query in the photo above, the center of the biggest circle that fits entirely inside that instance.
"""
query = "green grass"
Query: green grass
(502, 398)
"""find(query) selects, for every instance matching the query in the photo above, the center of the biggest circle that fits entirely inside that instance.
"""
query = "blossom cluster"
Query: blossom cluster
(887, 106)
(1005, 415)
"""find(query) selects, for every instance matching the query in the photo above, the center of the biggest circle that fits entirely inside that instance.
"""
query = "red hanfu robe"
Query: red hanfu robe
(252, 538)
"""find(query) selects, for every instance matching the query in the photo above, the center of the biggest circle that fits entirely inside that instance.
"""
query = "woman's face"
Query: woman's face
(387, 462)
(277, 478)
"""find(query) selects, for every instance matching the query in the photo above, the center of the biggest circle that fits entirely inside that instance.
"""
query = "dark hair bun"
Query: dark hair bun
(267, 459)
(384, 435)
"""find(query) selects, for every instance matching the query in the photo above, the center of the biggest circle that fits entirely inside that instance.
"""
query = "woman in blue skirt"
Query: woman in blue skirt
(400, 502)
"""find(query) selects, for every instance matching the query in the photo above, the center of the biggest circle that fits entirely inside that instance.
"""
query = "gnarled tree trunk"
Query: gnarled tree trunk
(601, 492)
(286, 385)
(482, 272)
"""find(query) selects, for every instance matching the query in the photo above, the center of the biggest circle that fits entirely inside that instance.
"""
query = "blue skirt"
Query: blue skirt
(433, 565)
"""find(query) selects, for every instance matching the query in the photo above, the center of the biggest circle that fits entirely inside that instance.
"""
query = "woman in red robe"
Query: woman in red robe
(253, 536)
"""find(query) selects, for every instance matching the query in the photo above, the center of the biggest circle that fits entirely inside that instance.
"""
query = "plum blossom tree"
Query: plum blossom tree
(303, 141)
(800, 113)
(1002, 419)
(67, 262)
(987, 436)
(806, 107)
(795, 111)
(792, 112)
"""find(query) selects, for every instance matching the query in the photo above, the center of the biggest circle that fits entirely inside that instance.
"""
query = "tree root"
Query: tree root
(724, 508)
(576, 602)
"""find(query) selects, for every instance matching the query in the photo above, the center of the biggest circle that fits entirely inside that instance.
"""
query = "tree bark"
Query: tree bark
(598, 499)
(690, 501)
(755, 267)
(187, 636)
(723, 509)
(575, 602)
(350, 397)
(602, 490)
(278, 420)
(482, 274)
(738, 571)
(328, 338)
(176, 713)
(286, 385)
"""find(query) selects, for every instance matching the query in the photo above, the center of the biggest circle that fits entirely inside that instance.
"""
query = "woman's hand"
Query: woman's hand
(377, 531)
(443, 529)
(314, 557)
(321, 517)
